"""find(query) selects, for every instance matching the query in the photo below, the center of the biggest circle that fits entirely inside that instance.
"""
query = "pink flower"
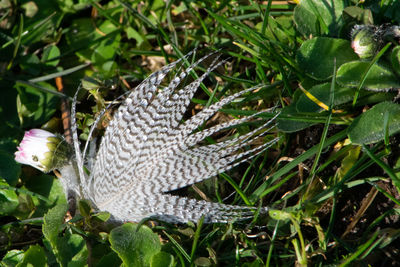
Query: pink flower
(42, 150)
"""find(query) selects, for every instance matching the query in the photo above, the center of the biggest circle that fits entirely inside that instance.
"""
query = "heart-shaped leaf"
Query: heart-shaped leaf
(317, 56)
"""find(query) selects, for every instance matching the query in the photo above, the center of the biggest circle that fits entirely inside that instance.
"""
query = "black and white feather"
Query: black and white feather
(148, 151)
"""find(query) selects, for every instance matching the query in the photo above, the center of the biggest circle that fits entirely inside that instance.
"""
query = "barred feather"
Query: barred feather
(147, 151)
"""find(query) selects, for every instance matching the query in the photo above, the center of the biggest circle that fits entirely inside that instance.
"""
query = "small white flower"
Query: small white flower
(42, 150)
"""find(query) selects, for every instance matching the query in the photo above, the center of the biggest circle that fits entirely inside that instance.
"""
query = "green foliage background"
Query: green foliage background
(332, 181)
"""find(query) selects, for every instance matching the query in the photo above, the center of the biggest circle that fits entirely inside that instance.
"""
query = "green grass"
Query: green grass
(330, 167)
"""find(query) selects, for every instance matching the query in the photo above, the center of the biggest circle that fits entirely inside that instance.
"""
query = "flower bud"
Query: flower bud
(364, 41)
(43, 150)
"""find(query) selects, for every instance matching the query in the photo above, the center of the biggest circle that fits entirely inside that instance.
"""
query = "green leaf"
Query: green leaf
(44, 25)
(52, 225)
(162, 259)
(35, 107)
(53, 222)
(101, 216)
(31, 64)
(157, 6)
(8, 145)
(109, 68)
(8, 199)
(69, 249)
(34, 256)
(379, 78)
(9, 168)
(133, 34)
(8, 110)
(349, 160)
(279, 215)
(279, 28)
(103, 53)
(51, 56)
(203, 262)
(84, 207)
(73, 250)
(82, 35)
(90, 44)
(355, 13)
(315, 17)
(391, 8)
(316, 56)
(369, 127)
(286, 124)
(48, 187)
(395, 58)
(111, 259)
(12, 258)
(302, 112)
(134, 246)
(72, 6)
